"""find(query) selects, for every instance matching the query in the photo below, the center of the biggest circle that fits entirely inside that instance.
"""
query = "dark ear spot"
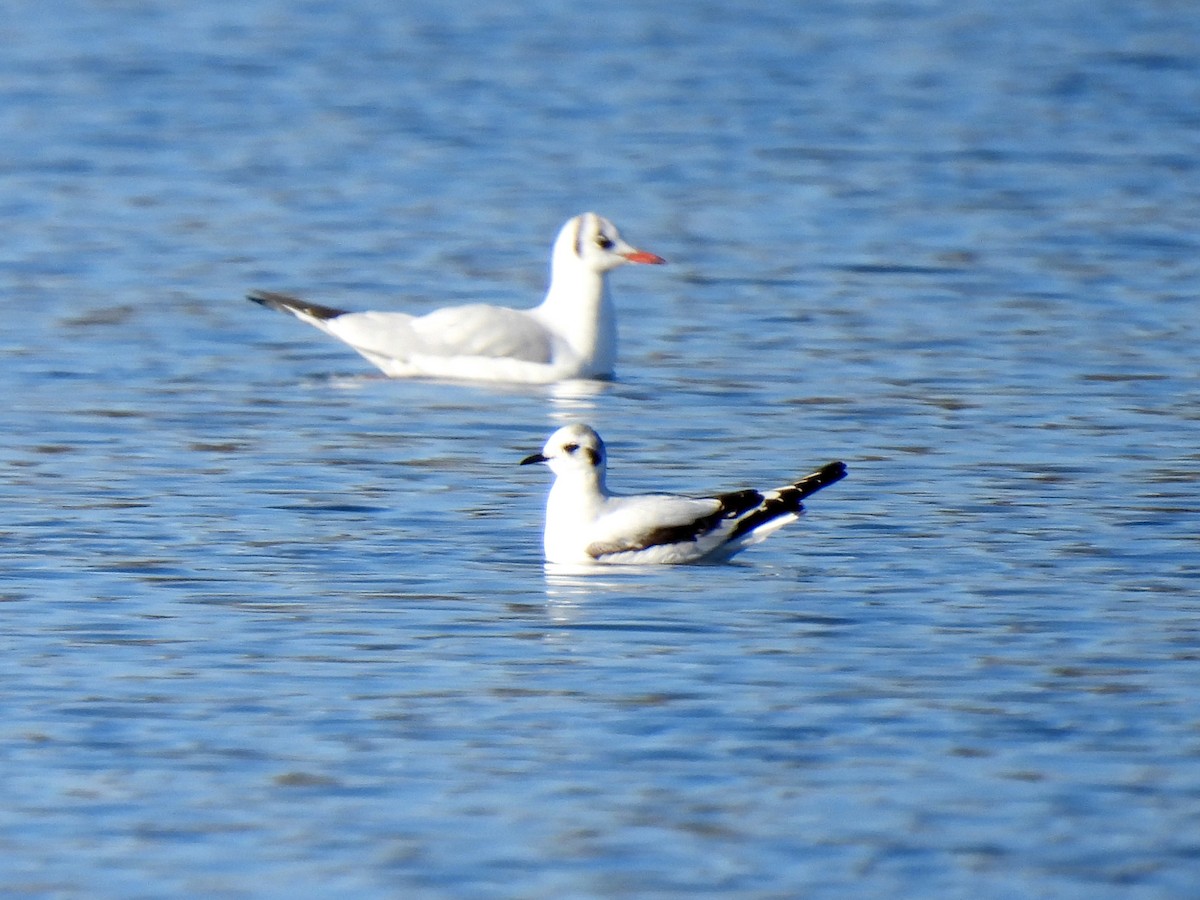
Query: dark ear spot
(594, 456)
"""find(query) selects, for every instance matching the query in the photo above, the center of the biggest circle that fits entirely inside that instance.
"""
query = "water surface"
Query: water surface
(275, 626)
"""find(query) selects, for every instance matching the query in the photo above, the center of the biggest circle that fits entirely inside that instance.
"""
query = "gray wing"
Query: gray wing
(692, 519)
(481, 330)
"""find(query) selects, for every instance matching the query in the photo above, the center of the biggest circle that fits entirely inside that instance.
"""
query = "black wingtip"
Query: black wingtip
(788, 500)
(294, 305)
(833, 472)
(830, 473)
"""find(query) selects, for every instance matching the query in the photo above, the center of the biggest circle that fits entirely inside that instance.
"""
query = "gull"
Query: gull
(571, 334)
(586, 523)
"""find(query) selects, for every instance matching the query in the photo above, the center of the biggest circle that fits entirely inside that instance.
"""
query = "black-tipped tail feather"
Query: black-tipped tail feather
(294, 305)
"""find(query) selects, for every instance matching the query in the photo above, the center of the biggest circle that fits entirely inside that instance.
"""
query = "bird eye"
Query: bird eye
(604, 242)
(571, 448)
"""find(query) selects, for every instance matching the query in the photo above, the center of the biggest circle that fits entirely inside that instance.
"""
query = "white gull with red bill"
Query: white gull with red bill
(586, 523)
(571, 334)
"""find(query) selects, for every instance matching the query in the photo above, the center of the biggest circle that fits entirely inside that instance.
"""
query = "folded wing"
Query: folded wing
(489, 332)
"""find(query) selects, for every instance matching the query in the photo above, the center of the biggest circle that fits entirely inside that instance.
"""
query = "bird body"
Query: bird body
(586, 523)
(571, 334)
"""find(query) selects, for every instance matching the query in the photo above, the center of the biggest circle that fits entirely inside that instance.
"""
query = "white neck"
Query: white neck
(579, 308)
(576, 500)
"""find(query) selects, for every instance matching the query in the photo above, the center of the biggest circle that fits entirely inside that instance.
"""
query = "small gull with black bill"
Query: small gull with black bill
(586, 523)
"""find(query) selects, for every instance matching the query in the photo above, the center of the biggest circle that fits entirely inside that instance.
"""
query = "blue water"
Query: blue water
(274, 626)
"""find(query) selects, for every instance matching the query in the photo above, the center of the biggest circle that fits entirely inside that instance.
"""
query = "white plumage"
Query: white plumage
(586, 523)
(571, 334)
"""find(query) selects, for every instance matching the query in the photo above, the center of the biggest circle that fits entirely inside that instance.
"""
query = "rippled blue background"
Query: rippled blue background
(275, 626)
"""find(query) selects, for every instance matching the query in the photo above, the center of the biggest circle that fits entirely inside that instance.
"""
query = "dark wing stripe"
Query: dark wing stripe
(789, 499)
(289, 304)
(757, 509)
(668, 534)
(731, 506)
(786, 502)
(736, 503)
(830, 473)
